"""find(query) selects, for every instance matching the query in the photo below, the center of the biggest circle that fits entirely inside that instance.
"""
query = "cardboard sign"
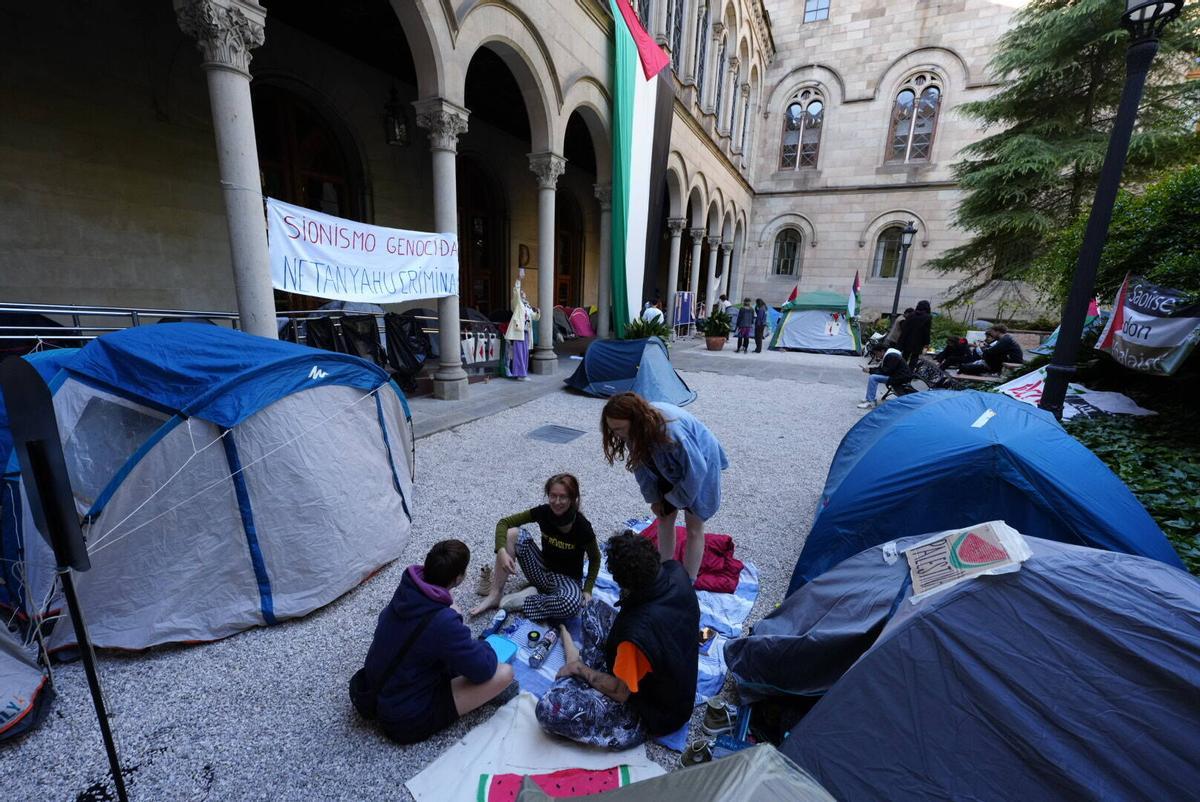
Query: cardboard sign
(950, 558)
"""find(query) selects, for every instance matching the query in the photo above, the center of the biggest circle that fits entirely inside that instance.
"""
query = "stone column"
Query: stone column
(697, 235)
(711, 286)
(604, 300)
(675, 226)
(723, 119)
(445, 122)
(726, 267)
(225, 32)
(547, 167)
(713, 71)
(740, 121)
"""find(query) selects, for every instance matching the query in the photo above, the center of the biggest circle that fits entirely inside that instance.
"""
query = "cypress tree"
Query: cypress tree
(1035, 170)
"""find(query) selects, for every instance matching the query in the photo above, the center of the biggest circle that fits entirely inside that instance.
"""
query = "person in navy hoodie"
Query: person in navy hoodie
(445, 672)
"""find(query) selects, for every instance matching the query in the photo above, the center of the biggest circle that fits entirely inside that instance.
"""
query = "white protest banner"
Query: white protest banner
(1079, 399)
(1152, 328)
(328, 257)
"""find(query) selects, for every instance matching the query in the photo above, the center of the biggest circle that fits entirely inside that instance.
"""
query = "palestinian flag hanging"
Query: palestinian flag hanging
(642, 107)
(855, 300)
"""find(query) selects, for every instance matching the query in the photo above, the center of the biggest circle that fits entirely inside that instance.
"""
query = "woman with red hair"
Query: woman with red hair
(677, 462)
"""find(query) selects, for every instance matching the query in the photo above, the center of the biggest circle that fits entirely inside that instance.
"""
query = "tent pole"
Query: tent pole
(93, 678)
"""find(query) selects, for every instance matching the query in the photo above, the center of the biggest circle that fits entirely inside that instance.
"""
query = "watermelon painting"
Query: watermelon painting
(559, 784)
(969, 550)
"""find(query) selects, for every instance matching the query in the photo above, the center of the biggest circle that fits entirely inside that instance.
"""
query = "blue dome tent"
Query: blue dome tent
(641, 366)
(209, 468)
(1075, 677)
(940, 460)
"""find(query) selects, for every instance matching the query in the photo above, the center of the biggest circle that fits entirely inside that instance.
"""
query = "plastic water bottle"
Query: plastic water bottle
(497, 621)
(542, 651)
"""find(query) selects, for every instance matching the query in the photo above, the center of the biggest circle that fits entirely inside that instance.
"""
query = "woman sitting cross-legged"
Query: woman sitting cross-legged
(555, 569)
(636, 672)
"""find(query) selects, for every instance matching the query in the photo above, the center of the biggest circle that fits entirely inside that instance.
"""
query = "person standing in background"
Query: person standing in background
(760, 324)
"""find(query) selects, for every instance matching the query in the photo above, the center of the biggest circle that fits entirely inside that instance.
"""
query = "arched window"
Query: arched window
(786, 261)
(914, 117)
(733, 101)
(676, 28)
(642, 9)
(802, 131)
(701, 50)
(721, 65)
(887, 253)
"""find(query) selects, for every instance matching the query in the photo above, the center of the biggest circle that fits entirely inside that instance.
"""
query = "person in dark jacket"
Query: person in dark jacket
(915, 333)
(1001, 348)
(745, 325)
(445, 672)
(636, 672)
(892, 370)
(957, 351)
(760, 324)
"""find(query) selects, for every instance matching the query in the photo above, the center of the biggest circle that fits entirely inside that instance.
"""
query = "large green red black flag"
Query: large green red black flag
(642, 108)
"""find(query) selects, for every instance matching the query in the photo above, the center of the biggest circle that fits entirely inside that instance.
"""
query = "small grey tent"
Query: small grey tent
(759, 774)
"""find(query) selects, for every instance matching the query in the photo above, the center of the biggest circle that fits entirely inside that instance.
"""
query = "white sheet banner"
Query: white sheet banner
(328, 257)
(1079, 399)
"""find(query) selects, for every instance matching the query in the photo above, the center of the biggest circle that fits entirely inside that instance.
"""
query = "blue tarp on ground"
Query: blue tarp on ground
(1076, 677)
(641, 366)
(940, 460)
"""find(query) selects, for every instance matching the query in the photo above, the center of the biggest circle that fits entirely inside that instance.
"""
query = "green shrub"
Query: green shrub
(641, 329)
(945, 326)
(718, 324)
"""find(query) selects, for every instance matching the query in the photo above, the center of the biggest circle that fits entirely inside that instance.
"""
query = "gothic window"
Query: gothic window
(720, 76)
(733, 104)
(701, 50)
(816, 10)
(802, 131)
(914, 117)
(887, 252)
(786, 260)
(642, 8)
(676, 28)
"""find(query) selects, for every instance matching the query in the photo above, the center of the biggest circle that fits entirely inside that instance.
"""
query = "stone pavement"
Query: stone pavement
(689, 355)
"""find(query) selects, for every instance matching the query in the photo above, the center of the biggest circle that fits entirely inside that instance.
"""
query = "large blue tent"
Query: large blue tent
(939, 460)
(1075, 677)
(641, 366)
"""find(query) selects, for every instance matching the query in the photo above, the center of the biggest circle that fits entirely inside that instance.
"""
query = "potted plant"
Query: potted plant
(716, 328)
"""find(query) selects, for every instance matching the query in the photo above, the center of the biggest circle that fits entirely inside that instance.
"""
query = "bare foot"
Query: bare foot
(490, 603)
(570, 653)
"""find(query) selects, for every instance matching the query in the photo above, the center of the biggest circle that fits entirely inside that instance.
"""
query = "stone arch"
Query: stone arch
(727, 225)
(935, 59)
(586, 96)
(826, 78)
(696, 200)
(676, 182)
(890, 218)
(511, 35)
(789, 220)
(713, 226)
(426, 46)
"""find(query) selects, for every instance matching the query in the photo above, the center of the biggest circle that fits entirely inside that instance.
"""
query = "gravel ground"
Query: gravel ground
(264, 714)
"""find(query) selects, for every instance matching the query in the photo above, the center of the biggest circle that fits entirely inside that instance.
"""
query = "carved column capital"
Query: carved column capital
(734, 61)
(745, 90)
(718, 28)
(697, 234)
(547, 167)
(444, 121)
(675, 226)
(727, 246)
(714, 242)
(604, 195)
(225, 30)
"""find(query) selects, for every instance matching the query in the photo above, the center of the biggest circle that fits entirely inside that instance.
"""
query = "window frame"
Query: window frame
(795, 256)
(877, 262)
(804, 98)
(702, 50)
(918, 84)
(813, 8)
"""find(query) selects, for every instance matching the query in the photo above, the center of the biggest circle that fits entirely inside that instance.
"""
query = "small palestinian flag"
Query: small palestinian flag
(795, 292)
(642, 108)
(855, 300)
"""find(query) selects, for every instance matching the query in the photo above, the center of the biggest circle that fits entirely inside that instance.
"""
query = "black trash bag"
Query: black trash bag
(408, 347)
(352, 334)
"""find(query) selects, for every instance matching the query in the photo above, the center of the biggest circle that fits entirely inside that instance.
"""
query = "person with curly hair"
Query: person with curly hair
(635, 673)
(677, 462)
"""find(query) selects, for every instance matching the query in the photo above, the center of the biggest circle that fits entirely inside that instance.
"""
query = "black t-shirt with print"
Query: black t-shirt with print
(563, 552)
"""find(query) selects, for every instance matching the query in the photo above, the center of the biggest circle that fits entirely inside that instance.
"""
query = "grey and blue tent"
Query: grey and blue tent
(941, 460)
(641, 366)
(224, 480)
(1075, 677)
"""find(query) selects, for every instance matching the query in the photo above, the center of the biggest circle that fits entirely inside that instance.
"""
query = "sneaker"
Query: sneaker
(697, 752)
(867, 405)
(719, 718)
(484, 586)
(514, 602)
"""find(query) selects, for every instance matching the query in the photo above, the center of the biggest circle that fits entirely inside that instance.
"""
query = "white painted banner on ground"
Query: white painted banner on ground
(329, 257)
(1152, 328)
(1079, 399)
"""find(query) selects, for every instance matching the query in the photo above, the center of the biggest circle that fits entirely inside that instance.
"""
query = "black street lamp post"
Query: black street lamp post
(1145, 22)
(906, 238)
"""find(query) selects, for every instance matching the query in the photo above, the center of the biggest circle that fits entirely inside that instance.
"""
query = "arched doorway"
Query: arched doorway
(568, 252)
(303, 162)
(481, 237)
